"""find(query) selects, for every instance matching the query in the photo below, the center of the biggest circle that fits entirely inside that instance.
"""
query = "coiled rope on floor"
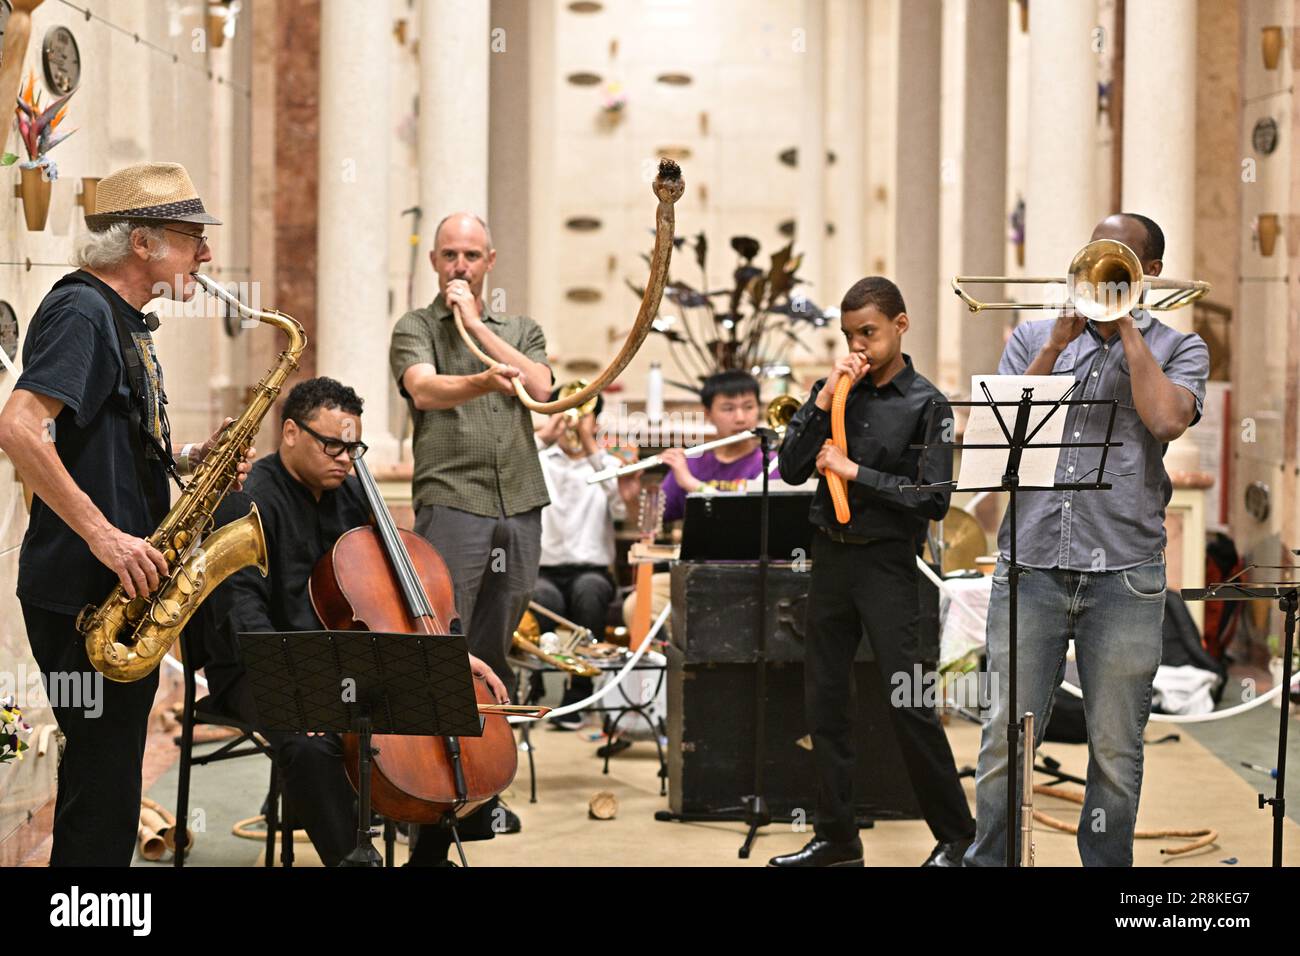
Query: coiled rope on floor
(1199, 837)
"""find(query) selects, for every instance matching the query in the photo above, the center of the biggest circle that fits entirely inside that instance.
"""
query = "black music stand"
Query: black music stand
(365, 683)
(1287, 594)
(754, 811)
(757, 812)
(1019, 437)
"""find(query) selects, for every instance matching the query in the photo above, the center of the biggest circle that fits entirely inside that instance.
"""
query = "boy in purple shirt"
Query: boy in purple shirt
(731, 405)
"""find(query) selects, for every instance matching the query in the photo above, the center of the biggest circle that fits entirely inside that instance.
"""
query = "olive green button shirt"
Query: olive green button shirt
(480, 456)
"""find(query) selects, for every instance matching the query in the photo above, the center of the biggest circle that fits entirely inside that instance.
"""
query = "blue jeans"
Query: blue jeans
(1115, 619)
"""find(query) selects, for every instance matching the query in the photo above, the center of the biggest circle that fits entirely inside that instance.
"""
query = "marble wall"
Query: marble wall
(1261, 436)
(735, 106)
(153, 87)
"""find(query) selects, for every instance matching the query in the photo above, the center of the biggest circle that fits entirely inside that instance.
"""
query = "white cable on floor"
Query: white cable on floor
(618, 678)
(1195, 718)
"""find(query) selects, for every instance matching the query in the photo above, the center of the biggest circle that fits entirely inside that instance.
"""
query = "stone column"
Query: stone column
(973, 175)
(453, 125)
(846, 50)
(352, 317)
(810, 222)
(918, 35)
(1159, 160)
(1060, 195)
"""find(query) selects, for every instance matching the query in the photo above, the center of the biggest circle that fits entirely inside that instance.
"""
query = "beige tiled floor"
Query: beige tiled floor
(1186, 787)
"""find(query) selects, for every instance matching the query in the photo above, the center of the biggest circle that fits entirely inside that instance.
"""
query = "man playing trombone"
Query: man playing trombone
(1099, 575)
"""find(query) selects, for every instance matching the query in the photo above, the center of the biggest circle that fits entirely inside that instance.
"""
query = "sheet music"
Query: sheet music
(984, 467)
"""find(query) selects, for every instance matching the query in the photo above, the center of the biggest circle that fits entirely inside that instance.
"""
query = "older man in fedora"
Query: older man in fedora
(86, 428)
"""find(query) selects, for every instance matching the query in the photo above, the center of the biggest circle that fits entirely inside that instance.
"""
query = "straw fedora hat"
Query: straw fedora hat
(148, 192)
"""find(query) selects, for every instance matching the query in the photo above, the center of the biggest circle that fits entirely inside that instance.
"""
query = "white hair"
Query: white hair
(112, 246)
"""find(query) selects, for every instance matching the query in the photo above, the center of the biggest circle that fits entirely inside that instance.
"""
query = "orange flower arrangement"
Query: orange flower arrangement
(37, 128)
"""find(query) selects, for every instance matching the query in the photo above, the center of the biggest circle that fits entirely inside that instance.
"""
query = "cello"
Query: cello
(382, 578)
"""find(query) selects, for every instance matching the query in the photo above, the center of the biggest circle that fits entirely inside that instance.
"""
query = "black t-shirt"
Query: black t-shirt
(72, 354)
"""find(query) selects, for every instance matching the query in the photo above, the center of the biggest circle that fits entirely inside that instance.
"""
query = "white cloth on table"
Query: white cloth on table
(641, 687)
(963, 613)
(1183, 690)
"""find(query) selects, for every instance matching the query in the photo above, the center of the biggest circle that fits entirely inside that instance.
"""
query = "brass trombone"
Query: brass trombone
(1105, 282)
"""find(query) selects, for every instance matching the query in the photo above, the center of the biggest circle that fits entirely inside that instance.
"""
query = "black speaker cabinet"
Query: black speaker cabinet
(711, 701)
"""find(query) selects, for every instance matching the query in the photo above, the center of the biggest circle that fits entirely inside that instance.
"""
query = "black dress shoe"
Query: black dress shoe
(948, 854)
(823, 853)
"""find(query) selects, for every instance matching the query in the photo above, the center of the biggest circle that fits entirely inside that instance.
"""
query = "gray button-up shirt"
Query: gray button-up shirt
(1124, 526)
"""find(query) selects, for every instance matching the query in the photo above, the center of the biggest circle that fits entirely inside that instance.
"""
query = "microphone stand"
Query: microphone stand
(756, 811)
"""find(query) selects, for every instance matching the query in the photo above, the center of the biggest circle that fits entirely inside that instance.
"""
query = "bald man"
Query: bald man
(478, 488)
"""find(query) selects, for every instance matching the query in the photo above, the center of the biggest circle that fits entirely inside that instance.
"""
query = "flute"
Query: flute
(692, 452)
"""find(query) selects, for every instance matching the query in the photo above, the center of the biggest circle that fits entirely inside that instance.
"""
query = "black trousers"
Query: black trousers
(322, 801)
(318, 795)
(105, 723)
(872, 586)
(582, 593)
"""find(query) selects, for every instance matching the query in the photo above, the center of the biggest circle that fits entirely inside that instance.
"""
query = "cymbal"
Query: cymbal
(963, 541)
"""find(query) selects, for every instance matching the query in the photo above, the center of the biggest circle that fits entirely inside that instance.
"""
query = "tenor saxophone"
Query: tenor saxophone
(127, 638)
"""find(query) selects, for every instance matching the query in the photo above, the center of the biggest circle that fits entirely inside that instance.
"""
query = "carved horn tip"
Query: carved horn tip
(669, 170)
(669, 185)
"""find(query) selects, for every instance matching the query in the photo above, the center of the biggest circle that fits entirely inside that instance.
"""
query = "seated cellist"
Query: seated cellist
(307, 499)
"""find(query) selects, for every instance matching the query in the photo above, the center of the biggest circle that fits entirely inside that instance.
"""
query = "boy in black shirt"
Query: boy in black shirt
(864, 572)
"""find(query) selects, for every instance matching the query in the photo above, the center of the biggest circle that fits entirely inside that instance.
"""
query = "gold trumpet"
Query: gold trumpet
(570, 441)
(780, 411)
(527, 639)
(1105, 282)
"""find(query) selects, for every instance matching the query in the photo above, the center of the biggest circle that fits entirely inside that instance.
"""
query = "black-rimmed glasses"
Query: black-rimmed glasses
(333, 447)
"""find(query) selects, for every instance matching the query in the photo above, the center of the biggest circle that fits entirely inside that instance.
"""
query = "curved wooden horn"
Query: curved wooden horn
(668, 187)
